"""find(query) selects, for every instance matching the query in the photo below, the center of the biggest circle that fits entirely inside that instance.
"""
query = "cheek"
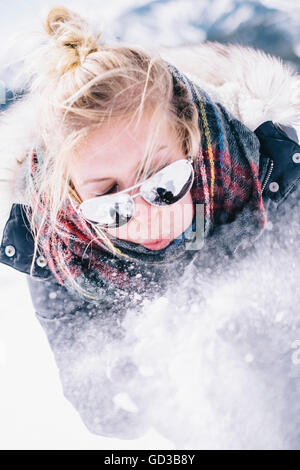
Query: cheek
(184, 206)
(181, 214)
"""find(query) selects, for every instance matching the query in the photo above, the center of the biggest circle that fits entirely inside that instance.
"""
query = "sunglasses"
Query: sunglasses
(164, 188)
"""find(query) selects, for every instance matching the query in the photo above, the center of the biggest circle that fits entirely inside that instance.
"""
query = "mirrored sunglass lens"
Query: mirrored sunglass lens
(108, 211)
(169, 185)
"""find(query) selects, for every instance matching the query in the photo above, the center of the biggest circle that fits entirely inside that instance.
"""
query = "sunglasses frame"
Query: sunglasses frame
(113, 196)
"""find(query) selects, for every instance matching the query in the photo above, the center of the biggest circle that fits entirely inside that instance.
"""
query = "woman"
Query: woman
(128, 170)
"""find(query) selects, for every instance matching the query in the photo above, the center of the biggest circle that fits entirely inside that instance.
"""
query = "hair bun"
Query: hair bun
(71, 32)
(56, 18)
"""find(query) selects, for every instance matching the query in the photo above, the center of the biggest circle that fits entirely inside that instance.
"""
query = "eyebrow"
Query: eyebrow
(97, 180)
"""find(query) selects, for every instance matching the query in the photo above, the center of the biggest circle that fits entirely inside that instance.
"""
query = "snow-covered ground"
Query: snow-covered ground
(226, 370)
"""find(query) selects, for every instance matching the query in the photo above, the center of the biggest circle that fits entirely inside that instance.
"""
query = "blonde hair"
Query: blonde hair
(80, 82)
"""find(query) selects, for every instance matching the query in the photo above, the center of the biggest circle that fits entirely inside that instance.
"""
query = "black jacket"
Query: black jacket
(66, 317)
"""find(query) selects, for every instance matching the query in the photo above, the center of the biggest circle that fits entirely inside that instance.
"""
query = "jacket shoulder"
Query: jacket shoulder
(279, 170)
(17, 245)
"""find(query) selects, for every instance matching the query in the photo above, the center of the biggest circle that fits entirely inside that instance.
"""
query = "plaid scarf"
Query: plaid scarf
(226, 183)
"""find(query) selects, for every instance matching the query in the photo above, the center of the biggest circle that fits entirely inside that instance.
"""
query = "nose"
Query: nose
(145, 212)
(147, 221)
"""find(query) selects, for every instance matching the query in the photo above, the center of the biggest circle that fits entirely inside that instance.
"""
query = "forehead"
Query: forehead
(119, 143)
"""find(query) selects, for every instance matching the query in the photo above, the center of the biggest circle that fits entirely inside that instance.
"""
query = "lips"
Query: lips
(156, 244)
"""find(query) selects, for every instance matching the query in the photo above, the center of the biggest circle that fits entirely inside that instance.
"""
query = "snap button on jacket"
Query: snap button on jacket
(17, 246)
(279, 160)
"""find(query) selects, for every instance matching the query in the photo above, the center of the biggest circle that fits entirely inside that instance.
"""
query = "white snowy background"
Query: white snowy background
(226, 370)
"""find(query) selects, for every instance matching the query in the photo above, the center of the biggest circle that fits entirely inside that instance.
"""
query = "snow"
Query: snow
(34, 413)
(218, 362)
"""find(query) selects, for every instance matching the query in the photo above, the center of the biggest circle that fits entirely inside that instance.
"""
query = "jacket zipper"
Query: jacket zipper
(269, 171)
